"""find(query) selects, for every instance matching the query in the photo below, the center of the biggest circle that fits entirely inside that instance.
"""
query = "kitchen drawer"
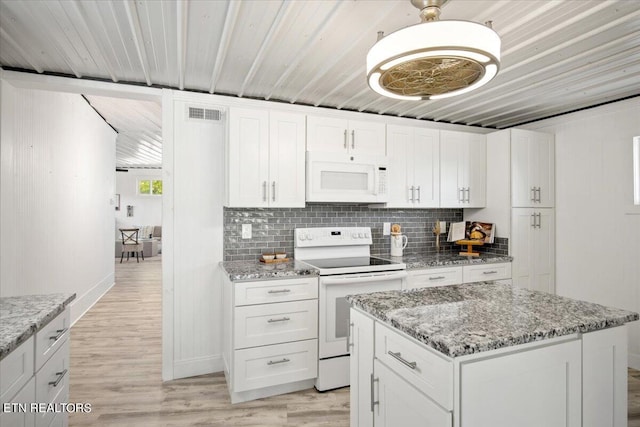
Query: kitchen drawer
(52, 382)
(16, 417)
(267, 324)
(51, 337)
(483, 272)
(271, 365)
(431, 374)
(16, 369)
(267, 291)
(434, 277)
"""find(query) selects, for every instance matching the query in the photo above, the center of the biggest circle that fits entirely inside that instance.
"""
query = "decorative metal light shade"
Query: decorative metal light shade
(434, 59)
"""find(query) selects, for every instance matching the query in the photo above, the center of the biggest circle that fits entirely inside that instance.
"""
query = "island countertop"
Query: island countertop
(464, 319)
(255, 270)
(23, 316)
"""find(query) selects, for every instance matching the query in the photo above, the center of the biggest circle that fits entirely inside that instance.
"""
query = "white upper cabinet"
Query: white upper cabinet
(265, 159)
(532, 169)
(414, 167)
(330, 134)
(463, 168)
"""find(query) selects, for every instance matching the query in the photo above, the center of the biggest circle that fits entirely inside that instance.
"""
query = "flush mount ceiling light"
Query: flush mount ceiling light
(434, 59)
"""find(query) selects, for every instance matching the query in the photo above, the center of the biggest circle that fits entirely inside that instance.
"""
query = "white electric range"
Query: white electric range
(342, 256)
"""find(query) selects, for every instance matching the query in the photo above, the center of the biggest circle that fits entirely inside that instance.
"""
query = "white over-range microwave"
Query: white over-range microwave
(349, 178)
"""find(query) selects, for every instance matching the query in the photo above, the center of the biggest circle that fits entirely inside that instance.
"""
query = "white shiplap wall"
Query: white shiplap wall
(597, 236)
(58, 184)
(193, 183)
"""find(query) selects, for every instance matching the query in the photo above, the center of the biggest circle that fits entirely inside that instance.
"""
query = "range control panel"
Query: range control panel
(332, 236)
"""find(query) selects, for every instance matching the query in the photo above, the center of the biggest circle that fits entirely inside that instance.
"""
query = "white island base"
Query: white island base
(570, 381)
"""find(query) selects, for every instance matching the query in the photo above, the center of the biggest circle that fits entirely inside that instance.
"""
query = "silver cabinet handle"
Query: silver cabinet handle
(276, 362)
(533, 220)
(399, 358)
(353, 139)
(419, 193)
(264, 191)
(350, 344)
(59, 333)
(412, 198)
(60, 377)
(468, 195)
(280, 291)
(273, 191)
(533, 194)
(373, 397)
(539, 198)
(460, 197)
(345, 139)
(489, 272)
(539, 220)
(436, 278)
(282, 319)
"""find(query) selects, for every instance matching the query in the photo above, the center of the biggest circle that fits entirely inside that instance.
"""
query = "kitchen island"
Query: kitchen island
(486, 354)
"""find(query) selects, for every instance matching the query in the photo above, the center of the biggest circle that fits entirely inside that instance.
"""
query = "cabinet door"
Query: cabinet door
(533, 249)
(286, 160)
(425, 160)
(539, 387)
(544, 251)
(400, 404)
(367, 138)
(453, 159)
(532, 169)
(248, 158)
(327, 134)
(475, 179)
(401, 167)
(361, 369)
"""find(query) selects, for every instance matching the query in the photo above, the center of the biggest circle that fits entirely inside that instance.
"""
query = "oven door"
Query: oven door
(334, 308)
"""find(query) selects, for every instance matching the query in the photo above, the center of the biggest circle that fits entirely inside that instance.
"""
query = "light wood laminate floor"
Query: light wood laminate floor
(116, 366)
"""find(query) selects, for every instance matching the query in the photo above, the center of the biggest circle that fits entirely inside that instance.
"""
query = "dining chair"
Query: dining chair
(130, 243)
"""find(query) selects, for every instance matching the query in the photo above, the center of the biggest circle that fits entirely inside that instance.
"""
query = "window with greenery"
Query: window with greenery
(150, 186)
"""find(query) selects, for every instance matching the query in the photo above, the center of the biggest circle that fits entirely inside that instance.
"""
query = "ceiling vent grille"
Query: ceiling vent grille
(197, 113)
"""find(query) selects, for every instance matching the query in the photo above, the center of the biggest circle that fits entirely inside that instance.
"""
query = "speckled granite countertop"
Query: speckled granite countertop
(23, 316)
(474, 317)
(256, 270)
(445, 259)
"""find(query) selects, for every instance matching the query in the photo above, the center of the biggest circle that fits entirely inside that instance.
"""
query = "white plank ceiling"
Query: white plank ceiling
(557, 55)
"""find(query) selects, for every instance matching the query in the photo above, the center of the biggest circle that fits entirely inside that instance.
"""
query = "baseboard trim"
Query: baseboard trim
(197, 366)
(634, 361)
(84, 302)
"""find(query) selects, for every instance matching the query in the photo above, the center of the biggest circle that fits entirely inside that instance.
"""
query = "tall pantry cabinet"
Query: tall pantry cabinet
(521, 200)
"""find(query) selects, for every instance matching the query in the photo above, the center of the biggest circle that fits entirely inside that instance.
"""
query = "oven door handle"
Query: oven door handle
(359, 278)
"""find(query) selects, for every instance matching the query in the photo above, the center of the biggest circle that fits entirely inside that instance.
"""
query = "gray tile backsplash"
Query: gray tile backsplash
(272, 229)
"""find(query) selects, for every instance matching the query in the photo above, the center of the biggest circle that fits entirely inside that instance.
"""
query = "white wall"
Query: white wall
(57, 187)
(147, 209)
(598, 240)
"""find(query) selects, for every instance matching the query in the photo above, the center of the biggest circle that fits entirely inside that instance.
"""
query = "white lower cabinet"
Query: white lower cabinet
(37, 371)
(398, 403)
(270, 336)
(443, 276)
(569, 381)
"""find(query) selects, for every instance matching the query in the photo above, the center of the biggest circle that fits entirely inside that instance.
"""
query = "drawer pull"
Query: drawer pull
(59, 333)
(436, 278)
(281, 291)
(489, 272)
(282, 319)
(373, 401)
(399, 358)
(60, 377)
(283, 360)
